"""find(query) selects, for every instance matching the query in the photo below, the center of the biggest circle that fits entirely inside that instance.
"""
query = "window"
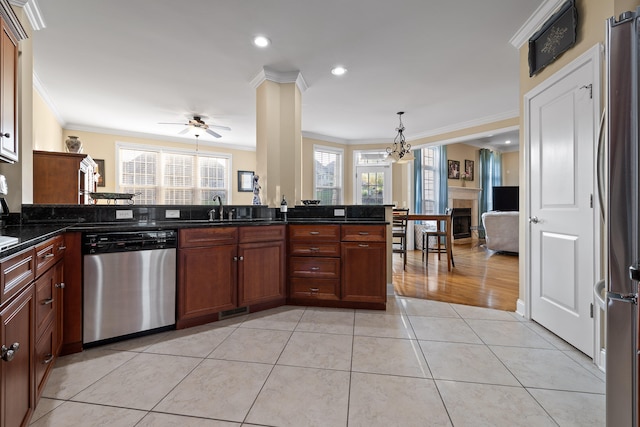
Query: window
(328, 171)
(172, 177)
(430, 178)
(373, 178)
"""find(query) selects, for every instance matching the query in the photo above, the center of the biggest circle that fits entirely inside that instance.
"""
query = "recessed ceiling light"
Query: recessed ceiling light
(507, 141)
(338, 71)
(261, 41)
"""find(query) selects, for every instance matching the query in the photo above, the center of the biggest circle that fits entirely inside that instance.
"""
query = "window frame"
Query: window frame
(384, 166)
(332, 150)
(162, 151)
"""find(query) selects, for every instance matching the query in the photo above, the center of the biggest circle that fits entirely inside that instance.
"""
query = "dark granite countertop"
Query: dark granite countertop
(29, 235)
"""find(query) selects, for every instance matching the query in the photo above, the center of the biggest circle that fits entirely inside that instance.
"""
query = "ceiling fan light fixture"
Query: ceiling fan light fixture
(400, 151)
(261, 41)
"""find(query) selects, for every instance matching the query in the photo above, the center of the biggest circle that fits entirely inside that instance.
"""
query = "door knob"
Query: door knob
(534, 220)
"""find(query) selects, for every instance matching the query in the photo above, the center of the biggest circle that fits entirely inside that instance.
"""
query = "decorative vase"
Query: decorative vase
(74, 145)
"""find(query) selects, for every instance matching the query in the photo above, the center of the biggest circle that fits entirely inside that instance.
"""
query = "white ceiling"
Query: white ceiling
(122, 66)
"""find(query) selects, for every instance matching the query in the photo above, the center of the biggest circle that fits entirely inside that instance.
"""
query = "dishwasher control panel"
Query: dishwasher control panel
(125, 241)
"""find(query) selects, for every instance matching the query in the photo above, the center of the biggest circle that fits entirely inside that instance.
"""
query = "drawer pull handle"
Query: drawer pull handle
(314, 232)
(363, 233)
(363, 245)
(235, 258)
(62, 248)
(49, 255)
(47, 359)
(7, 354)
(241, 258)
(60, 285)
(314, 249)
(315, 268)
(314, 290)
(47, 301)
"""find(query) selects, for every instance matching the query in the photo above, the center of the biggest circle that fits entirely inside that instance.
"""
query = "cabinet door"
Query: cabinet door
(261, 272)
(17, 398)
(8, 70)
(364, 272)
(206, 281)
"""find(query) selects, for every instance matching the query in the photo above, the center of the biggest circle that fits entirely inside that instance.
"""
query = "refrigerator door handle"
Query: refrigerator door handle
(634, 272)
(629, 298)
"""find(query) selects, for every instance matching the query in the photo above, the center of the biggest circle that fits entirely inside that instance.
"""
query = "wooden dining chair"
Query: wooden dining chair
(399, 232)
(440, 235)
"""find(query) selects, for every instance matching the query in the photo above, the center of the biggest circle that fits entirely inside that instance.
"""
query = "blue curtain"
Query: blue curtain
(417, 181)
(490, 176)
(443, 190)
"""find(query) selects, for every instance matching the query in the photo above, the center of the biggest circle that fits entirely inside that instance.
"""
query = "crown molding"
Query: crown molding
(40, 89)
(535, 21)
(32, 10)
(12, 20)
(466, 125)
(277, 77)
(18, 3)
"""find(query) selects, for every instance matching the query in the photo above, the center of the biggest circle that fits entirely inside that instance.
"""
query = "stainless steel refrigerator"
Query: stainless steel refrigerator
(623, 252)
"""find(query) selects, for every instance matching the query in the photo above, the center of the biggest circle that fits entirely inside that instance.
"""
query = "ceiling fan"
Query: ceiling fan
(197, 123)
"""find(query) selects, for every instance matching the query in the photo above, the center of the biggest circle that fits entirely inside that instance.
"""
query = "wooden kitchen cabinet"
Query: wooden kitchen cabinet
(261, 265)
(314, 263)
(207, 274)
(223, 268)
(63, 178)
(17, 375)
(364, 264)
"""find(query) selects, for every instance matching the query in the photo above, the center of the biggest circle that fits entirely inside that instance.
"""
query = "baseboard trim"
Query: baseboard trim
(520, 308)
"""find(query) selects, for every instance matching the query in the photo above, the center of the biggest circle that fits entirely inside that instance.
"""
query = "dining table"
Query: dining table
(440, 219)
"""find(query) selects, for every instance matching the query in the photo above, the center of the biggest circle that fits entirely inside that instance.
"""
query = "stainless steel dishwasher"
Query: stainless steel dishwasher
(129, 283)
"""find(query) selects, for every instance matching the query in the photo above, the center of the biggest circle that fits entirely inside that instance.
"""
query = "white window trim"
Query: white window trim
(335, 150)
(387, 164)
(170, 150)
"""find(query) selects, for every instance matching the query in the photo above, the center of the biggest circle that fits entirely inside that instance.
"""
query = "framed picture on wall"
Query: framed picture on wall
(245, 181)
(454, 169)
(100, 171)
(468, 170)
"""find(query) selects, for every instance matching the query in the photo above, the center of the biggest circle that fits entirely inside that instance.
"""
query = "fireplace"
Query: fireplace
(461, 223)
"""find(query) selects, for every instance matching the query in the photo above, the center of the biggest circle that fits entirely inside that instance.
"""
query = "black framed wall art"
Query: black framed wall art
(555, 37)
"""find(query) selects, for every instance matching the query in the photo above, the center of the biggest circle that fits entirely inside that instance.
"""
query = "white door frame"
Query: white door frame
(593, 55)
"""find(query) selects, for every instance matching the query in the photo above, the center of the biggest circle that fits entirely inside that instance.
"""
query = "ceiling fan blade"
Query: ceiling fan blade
(220, 127)
(210, 132)
(166, 123)
(183, 131)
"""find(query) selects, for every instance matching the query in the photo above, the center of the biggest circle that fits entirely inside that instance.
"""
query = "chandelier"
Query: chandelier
(400, 151)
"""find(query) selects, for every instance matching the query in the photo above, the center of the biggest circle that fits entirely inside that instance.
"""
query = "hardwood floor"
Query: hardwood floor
(481, 277)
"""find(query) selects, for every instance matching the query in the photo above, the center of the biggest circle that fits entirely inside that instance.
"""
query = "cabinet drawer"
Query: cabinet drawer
(16, 271)
(210, 236)
(364, 233)
(44, 357)
(48, 253)
(45, 303)
(320, 268)
(327, 289)
(315, 232)
(326, 249)
(261, 233)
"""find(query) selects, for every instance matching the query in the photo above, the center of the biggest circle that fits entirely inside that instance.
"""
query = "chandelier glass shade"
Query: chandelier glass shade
(400, 151)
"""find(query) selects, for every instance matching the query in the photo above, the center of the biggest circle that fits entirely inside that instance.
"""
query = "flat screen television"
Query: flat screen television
(505, 198)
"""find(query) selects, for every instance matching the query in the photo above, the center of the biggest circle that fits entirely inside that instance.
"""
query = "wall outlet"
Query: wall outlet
(338, 212)
(172, 213)
(124, 214)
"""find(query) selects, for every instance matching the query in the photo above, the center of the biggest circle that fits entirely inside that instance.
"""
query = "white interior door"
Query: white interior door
(562, 117)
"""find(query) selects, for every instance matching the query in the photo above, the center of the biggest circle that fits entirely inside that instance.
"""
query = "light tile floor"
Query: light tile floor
(420, 363)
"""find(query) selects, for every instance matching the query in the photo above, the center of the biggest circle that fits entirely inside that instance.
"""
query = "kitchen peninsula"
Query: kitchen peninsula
(332, 256)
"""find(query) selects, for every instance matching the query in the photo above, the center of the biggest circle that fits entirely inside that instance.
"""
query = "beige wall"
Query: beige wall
(47, 132)
(511, 168)
(462, 152)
